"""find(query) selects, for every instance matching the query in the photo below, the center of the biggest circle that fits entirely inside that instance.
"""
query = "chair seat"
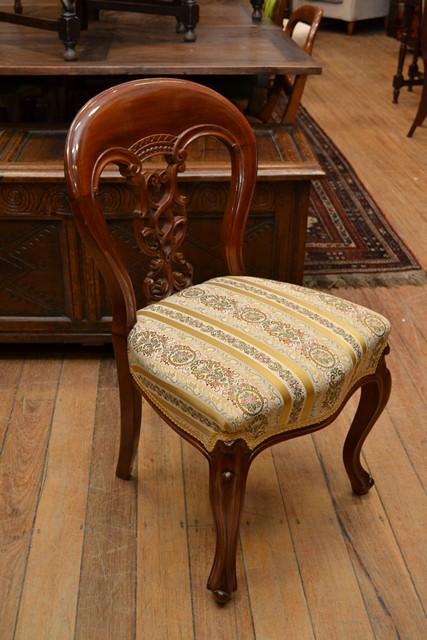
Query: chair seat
(243, 357)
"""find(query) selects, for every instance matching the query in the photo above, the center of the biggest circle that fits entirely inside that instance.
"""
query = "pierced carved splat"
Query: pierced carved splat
(160, 218)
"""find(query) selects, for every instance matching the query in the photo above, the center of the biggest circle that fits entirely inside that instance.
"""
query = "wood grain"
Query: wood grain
(10, 374)
(278, 602)
(378, 539)
(147, 45)
(107, 593)
(21, 472)
(333, 596)
(229, 622)
(49, 598)
(352, 101)
(370, 540)
(164, 607)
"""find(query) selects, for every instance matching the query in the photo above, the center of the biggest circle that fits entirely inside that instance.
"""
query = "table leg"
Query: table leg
(190, 17)
(69, 28)
(257, 9)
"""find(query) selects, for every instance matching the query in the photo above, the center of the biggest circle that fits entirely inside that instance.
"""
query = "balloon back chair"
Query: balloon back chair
(235, 364)
(302, 26)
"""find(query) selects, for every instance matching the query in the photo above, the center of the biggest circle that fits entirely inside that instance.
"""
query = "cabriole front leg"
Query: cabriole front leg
(229, 464)
(373, 398)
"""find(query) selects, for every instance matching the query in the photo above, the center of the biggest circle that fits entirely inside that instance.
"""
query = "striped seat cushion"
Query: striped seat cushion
(241, 357)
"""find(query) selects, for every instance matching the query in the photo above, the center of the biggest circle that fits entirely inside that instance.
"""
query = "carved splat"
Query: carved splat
(160, 217)
(161, 221)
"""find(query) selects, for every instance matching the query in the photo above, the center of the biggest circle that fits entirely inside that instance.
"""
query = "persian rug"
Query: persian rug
(349, 240)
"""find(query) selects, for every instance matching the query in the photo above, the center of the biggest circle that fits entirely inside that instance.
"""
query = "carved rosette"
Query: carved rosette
(160, 220)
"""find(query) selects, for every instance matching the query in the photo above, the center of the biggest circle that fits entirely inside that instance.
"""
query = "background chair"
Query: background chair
(422, 107)
(349, 11)
(235, 364)
(302, 26)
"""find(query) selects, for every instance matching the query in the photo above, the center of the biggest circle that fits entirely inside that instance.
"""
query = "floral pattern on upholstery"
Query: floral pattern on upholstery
(243, 357)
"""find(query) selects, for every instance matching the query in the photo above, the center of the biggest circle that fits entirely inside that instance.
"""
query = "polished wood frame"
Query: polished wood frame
(127, 125)
(67, 25)
(422, 107)
(75, 14)
(412, 9)
(292, 87)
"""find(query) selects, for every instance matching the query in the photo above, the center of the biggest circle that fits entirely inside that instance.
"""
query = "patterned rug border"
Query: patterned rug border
(411, 273)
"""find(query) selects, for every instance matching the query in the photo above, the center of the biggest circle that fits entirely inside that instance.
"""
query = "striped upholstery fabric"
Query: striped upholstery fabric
(241, 357)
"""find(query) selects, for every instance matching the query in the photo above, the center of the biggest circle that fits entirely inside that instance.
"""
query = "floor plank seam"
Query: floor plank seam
(39, 494)
(245, 573)
(396, 539)
(193, 620)
(346, 537)
(411, 464)
(293, 546)
(12, 404)
(87, 506)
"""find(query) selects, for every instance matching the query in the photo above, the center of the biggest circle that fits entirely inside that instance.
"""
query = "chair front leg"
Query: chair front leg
(229, 465)
(373, 399)
(17, 6)
(130, 410)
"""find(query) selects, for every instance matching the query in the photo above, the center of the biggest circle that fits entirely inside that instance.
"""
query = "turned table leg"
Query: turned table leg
(69, 29)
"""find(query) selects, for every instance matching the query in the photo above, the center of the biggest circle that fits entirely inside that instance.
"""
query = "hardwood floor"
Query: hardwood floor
(85, 555)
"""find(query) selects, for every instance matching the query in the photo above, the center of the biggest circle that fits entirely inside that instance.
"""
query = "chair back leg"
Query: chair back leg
(130, 410)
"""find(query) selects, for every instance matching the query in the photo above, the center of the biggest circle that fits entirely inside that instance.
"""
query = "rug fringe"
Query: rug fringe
(353, 280)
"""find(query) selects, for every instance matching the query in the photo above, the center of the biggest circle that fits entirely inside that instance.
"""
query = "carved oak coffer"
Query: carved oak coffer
(49, 289)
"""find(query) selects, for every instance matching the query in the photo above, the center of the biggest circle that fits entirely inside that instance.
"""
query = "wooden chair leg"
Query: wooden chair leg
(229, 464)
(130, 410)
(373, 399)
(422, 111)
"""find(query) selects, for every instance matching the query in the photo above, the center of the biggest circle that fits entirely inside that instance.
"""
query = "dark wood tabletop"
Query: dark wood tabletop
(228, 43)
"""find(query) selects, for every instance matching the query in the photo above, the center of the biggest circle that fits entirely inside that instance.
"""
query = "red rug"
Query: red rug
(349, 241)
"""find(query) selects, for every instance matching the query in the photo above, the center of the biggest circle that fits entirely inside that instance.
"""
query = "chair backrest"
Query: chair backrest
(309, 15)
(293, 87)
(128, 125)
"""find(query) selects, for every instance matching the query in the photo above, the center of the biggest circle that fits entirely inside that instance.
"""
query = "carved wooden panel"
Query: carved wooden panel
(49, 288)
(34, 274)
(202, 247)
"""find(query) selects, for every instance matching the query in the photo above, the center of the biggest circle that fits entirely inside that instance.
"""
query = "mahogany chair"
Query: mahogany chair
(235, 364)
(293, 88)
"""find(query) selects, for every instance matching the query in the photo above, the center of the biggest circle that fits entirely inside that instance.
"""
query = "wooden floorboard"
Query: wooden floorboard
(21, 479)
(84, 555)
(107, 593)
(49, 597)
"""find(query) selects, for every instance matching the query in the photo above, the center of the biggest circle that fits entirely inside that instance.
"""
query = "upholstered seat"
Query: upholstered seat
(241, 357)
(235, 364)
